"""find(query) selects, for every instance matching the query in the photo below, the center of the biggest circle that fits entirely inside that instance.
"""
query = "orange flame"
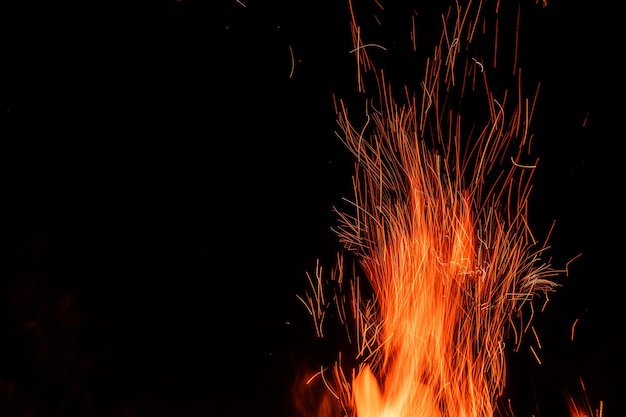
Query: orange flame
(579, 406)
(439, 229)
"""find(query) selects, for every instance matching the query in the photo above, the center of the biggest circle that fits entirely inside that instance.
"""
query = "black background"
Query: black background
(168, 178)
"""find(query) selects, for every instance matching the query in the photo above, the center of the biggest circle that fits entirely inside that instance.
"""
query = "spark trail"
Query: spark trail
(438, 228)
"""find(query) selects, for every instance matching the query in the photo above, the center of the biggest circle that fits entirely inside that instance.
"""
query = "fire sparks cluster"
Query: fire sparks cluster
(448, 270)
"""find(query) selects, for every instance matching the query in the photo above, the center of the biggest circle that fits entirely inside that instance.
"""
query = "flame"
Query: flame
(579, 405)
(439, 229)
(583, 409)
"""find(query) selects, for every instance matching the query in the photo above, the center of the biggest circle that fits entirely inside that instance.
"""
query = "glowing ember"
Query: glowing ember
(439, 230)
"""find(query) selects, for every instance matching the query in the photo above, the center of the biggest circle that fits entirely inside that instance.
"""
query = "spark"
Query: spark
(369, 45)
(482, 68)
(328, 386)
(586, 119)
(413, 32)
(569, 262)
(535, 355)
(573, 328)
(430, 99)
(516, 38)
(522, 166)
(293, 62)
(536, 337)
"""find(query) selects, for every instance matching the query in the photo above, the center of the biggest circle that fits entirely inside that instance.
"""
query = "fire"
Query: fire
(579, 406)
(439, 231)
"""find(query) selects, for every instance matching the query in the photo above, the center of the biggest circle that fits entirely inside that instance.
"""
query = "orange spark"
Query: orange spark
(585, 119)
(573, 329)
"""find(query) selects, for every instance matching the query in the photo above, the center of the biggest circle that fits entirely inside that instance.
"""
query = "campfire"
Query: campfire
(448, 274)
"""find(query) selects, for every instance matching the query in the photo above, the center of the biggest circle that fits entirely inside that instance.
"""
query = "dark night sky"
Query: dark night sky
(166, 184)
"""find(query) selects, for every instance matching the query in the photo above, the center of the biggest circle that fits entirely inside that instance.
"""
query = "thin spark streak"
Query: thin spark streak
(326, 384)
(519, 12)
(321, 374)
(293, 61)
(308, 381)
(367, 45)
(510, 406)
(480, 65)
(430, 99)
(573, 329)
(536, 337)
(523, 166)
(545, 303)
(569, 262)
(413, 32)
(535, 355)
(495, 44)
